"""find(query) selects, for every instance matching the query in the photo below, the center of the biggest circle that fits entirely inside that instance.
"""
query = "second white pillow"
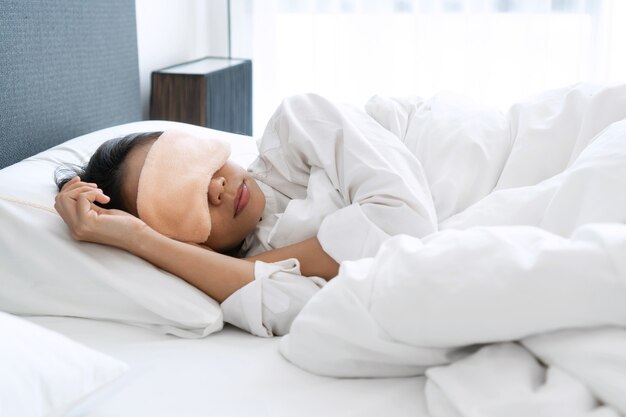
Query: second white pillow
(44, 372)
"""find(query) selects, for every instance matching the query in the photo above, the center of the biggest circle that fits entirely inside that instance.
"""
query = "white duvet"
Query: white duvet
(516, 306)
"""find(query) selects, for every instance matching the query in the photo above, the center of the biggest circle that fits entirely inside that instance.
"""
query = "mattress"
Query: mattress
(230, 373)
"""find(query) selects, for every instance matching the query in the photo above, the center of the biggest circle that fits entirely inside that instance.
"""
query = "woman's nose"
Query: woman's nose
(217, 186)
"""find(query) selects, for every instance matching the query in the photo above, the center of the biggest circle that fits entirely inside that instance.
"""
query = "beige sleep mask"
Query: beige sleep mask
(174, 182)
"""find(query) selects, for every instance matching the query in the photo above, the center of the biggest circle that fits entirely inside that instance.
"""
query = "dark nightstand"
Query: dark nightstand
(212, 92)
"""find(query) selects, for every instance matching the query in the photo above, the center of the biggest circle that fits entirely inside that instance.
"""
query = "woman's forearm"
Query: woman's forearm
(313, 260)
(215, 274)
(218, 275)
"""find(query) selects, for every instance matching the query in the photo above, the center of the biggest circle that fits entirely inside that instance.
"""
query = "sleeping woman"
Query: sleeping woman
(330, 185)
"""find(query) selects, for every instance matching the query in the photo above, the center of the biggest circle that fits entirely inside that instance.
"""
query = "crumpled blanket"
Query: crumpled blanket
(516, 306)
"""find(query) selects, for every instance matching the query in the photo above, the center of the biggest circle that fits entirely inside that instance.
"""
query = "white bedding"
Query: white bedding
(229, 373)
(516, 307)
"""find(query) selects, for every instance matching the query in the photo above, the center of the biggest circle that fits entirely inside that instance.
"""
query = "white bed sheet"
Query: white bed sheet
(230, 373)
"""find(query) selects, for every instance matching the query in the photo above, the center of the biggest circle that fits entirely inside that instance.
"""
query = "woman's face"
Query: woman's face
(236, 201)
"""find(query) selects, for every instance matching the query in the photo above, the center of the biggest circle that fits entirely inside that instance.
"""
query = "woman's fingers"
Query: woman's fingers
(83, 205)
(85, 200)
(75, 205)
(70, 182)
(75, 192)
(79, 184)
(74, 183)
(70, 207)
(86, 213)
(77, 189)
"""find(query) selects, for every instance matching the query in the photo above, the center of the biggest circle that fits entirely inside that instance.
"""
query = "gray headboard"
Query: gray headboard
(66, 68)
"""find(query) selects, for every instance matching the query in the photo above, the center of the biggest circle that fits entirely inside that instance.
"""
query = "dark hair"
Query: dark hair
(105, 167)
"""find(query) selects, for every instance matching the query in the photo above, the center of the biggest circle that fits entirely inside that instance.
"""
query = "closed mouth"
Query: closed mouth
(241, 199)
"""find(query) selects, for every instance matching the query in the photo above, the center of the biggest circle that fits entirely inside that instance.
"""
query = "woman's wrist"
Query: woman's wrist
(215, 274)
(137, 237)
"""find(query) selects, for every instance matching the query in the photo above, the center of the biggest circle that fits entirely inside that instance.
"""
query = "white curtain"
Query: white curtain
(496, 51)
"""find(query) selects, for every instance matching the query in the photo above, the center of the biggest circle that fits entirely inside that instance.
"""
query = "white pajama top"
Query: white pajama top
(334, 172)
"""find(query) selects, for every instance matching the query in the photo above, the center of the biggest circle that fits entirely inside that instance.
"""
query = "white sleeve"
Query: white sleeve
(382, 185)
(266, 306)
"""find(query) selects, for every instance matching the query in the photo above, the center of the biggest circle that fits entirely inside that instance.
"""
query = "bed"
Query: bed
(229, 374)
(76, 343)
(514, 306)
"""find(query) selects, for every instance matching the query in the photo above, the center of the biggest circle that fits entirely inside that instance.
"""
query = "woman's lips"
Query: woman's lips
(242, 198)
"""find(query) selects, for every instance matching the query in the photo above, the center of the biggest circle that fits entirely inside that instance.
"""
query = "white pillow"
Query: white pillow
(43, 271)
(44, 372)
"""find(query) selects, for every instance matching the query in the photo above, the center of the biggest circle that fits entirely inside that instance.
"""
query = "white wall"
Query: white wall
(617, 59)
(172, 32)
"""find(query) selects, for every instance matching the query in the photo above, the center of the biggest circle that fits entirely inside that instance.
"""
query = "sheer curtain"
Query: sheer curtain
(496, 51)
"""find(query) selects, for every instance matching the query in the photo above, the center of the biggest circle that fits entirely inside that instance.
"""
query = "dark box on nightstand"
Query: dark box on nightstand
(212, 92)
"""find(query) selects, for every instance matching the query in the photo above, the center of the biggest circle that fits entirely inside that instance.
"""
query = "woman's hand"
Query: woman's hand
(91, 223)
